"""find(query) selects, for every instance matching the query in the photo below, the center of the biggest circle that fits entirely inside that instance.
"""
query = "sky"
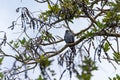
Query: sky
(8, 14)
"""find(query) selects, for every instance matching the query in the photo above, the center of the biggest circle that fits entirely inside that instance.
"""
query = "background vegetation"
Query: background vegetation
(39, 47)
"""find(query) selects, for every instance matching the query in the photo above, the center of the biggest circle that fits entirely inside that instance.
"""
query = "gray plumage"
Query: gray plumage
(69, 38)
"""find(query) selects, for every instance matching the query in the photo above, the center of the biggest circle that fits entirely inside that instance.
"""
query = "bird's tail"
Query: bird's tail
(73, 49)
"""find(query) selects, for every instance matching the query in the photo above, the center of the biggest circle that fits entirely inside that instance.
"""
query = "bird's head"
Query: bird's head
(67, 31)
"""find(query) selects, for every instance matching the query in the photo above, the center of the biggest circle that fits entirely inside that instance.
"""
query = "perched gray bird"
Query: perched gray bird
(69, 38)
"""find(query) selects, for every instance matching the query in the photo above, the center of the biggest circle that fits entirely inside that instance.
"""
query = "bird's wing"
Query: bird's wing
(69, 37)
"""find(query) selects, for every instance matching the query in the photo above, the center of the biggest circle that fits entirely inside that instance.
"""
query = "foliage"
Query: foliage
(117, 77)
(87, 68)
(38, 49)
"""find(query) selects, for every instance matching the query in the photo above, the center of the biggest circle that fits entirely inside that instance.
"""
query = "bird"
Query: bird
(69, 38)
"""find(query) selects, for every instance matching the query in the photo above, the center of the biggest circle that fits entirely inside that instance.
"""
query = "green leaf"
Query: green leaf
(49, 6)
(16, 44)
(25, 56)
(40, 78)
(117, 77)
(22, 41)
(112, 4)
(55, 8)
(109, 78)
(70, 20)
(116, 57)
(106, 47)
(1, 59)
(87, 68)
(114, 78)
(44, 61)
(88, 34)
(94, 29)
(11, 42)
(100, 25)
(1, 76)
(17, 56)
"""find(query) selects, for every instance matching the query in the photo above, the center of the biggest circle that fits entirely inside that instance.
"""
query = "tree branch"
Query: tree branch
(53, 53)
